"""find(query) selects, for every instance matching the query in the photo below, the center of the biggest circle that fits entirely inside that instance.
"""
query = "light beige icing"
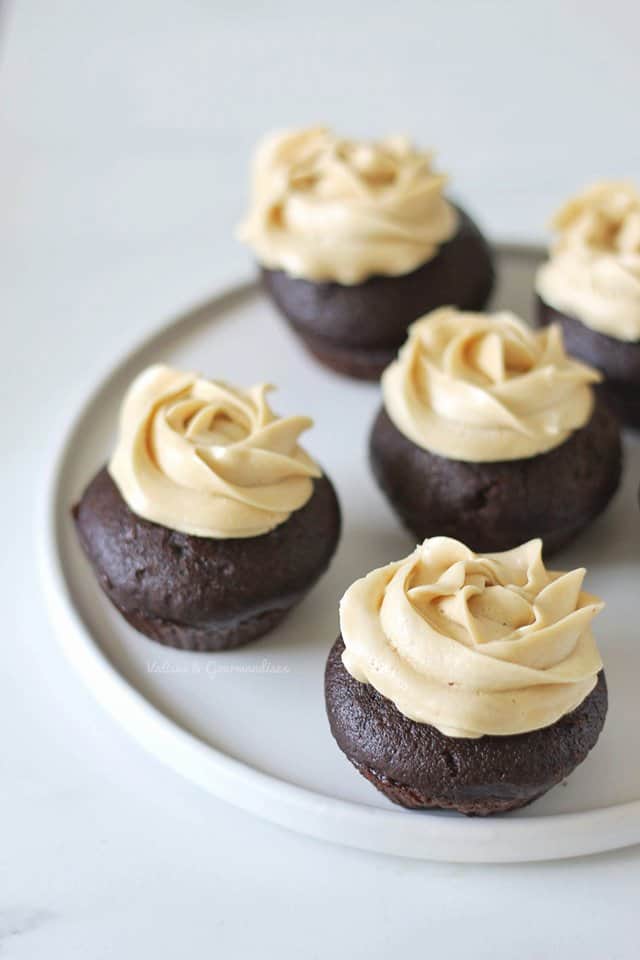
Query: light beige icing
(485, 387)
(207, 458)
(593, 273)
(473, 644)
(325, 208)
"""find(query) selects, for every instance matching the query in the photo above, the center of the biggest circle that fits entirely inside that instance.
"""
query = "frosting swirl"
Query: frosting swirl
(470, 644)
(209, 459)
(325, 208)
(485, 387)
(593, 273)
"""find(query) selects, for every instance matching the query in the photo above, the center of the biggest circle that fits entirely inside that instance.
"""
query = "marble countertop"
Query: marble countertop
(124, 135)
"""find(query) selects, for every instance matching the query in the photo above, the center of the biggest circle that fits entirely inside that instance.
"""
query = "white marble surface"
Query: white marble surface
(124, 129)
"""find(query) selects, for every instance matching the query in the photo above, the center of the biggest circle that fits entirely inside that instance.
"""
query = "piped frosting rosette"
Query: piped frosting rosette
(473, 644)
(486, 387)
(593, 272)
(207, 458)
(326, 208)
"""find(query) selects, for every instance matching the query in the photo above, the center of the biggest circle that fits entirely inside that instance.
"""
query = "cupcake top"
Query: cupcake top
(485, 387)
(209, 459)
(324, 208)
(593, 273)
(473, 644)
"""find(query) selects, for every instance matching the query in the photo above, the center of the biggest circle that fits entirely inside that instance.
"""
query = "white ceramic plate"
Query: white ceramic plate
(250, 725)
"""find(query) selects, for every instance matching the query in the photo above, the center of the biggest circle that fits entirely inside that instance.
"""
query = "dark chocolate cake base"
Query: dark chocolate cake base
(198, 593)
(618, 360)
(497, 506)
(418, 767)
(356, 362)
(357, 330)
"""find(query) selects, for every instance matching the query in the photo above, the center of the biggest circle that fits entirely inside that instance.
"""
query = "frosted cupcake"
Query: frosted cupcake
(490, 433)
(591, 286)
(355, 240)
(210, 521)
(466, 682)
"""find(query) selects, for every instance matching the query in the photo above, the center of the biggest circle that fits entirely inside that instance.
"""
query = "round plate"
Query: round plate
(250, 725)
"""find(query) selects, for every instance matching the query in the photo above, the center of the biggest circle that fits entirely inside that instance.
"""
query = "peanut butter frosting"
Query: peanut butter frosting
(593, 273)
(486, 387)
(325, 208)
(473, 644)
(207, 458)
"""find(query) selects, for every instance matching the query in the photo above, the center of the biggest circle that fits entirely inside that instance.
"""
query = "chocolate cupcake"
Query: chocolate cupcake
(356, 240)
(466, 682)
(591, 286)
(491, 434)
(210, 522)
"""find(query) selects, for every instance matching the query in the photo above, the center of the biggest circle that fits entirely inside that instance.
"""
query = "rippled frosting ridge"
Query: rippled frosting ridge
(593, 273)
(473, 644)
(485, 387)
(207, 458)
(325, 208)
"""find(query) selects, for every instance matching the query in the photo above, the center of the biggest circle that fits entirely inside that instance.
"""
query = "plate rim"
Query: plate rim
(422, 836)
